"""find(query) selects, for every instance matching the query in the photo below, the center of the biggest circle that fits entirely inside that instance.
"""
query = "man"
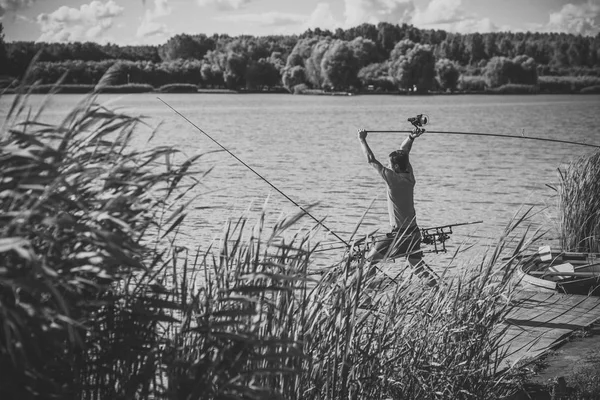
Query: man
(405, 238)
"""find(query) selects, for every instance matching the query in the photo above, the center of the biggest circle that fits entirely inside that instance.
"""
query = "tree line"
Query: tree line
(380, 57)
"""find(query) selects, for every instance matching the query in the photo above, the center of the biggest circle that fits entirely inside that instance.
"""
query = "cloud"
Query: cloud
(224, 5)
(149, 26)
(87, 23)
(13, 5)
(272, 18)
(322, 17)
(374, 11)
(582, 19)
(449, 15)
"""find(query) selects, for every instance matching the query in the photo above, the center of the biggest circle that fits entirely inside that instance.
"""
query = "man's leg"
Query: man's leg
(422, 270)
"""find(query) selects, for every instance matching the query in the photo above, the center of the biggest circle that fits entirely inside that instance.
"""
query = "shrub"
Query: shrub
(566, 84)
(471, 84)
(178, 88)
(513, 88)
(300, 89)
(129, 88)
(591, 89)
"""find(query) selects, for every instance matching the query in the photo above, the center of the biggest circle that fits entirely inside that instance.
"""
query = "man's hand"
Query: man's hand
(416, 133)
(362, 134)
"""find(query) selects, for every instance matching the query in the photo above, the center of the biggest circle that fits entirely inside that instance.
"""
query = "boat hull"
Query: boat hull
(564, 272)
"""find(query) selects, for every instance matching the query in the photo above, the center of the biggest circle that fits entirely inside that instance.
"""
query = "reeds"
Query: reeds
(98, 301)
(579, 204)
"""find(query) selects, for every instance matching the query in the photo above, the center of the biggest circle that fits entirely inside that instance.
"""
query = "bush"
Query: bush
(513, 88)
(471, 84)
(591, 90)
(178, 88)
(130, 88)
(300, 89)
(44, 89)
(566, 84)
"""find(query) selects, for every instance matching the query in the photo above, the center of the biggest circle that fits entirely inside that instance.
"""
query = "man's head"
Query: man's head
(399, 161)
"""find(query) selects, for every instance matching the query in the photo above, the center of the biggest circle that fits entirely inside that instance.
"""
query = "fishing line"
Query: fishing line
(496, 135)
(257, 174)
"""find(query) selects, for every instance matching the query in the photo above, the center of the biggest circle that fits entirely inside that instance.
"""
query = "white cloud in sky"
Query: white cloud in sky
(581, 19)
(375, 11)
(149, 26)
(322, 17)
(86, 23)
(271, 18)
(224, 4)
(13, 5)
(449, 15)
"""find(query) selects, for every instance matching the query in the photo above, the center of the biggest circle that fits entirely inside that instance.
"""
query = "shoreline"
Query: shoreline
(85, 89)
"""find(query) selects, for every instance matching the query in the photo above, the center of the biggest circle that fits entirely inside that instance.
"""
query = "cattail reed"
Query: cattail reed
(579, 205)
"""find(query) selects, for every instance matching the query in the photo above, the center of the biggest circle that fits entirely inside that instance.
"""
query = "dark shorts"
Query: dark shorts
(407, 244)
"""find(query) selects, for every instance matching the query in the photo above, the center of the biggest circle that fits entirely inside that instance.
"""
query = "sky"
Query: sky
(137, 22)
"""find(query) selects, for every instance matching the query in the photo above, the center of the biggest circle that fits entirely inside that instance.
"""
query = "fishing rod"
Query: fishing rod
(257, 174)
(430, 236)
(347, 245)
(421, 120)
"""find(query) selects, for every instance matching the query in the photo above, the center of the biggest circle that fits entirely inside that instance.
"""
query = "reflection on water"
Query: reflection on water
(306, 146)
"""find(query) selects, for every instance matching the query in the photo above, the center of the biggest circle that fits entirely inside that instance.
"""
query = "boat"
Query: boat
(560, 271)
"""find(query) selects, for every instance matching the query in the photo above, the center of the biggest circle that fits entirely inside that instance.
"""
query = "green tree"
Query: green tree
(412, 65)
(365, 51)
(376, 75)
(340, 66)
(293, 76)
(262, 74)
(475, 48)
(314, 71)
(447, 74)
(497, 71)
(185, 47)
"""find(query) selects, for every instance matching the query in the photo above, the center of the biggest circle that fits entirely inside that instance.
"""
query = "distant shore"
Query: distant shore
(189, 88)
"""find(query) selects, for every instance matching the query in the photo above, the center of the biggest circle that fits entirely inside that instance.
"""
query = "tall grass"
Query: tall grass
(579, 204)
(98, 300)
(81, 213)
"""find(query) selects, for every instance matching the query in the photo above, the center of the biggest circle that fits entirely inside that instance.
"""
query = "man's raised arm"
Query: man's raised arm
(362, 136)
(408, 142)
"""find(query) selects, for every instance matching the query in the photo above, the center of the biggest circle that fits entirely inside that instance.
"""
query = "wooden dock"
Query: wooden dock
(541, 321)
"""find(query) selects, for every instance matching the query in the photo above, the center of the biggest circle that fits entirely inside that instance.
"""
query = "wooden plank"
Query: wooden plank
(539, 321)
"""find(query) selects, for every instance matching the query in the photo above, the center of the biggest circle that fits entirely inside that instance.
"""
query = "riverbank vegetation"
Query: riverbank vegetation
(579, 204)
(100, 300)
(382, 58)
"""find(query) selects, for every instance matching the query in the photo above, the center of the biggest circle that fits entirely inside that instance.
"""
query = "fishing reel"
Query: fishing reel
(418, 122)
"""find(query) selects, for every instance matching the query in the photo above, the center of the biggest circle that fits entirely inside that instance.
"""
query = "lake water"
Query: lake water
(306, 146)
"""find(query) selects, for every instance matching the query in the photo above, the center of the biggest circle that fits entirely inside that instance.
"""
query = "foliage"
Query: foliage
(412, 66)
(579, 205)
(376, 75)
(99, 300)
(220, 61)
(262, 74)
(566, 84)
(591, 89)
(178, 88)
(184, 46)
(340, 66)
(80, 292)
(293, 76)
(513, 88)
(471, 84)
(520, 70)
(447, 74)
